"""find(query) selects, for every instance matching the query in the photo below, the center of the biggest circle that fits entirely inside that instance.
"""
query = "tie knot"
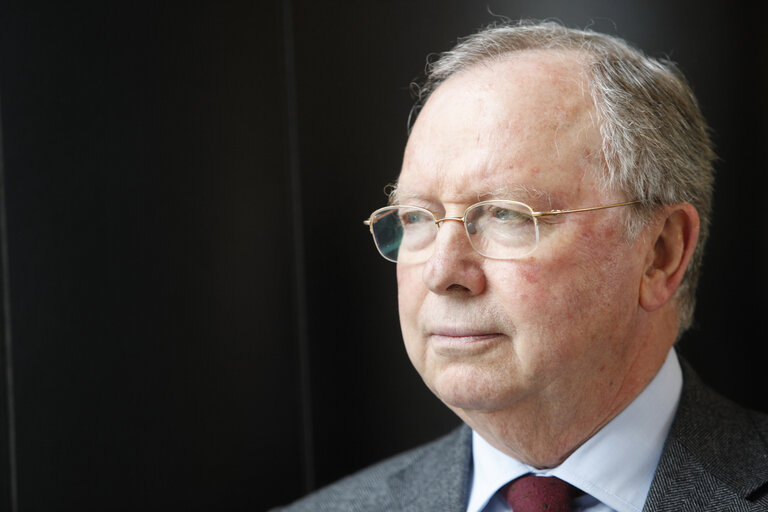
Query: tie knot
(532, 493)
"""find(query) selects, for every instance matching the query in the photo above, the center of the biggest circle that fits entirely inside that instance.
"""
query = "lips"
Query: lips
(460, 336)
(462, 332)
(461, 343)
(466, 337)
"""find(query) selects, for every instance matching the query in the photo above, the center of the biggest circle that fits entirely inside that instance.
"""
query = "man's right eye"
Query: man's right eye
(413, 217)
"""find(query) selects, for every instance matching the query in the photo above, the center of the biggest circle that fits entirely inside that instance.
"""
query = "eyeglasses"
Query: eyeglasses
(497, 229)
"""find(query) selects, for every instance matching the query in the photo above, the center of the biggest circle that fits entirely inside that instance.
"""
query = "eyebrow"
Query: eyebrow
(510, 192)
(518, 192)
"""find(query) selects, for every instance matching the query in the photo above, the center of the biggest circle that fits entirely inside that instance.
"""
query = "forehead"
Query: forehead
(524, 121)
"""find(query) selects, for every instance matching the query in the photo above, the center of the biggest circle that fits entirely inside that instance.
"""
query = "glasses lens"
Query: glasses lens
(502, 229)
(404, 233)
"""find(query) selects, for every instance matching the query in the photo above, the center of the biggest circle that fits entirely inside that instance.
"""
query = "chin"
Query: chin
(473, 389)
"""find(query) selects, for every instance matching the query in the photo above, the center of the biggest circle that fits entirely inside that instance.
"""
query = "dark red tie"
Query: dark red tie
(532, 493)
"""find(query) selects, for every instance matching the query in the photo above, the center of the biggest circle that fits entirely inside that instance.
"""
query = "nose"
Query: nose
(454, 267)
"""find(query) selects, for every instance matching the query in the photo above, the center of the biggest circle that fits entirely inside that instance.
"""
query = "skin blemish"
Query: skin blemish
(560, 117)
(531, 274)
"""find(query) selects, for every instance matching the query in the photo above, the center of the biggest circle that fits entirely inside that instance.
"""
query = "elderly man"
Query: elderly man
(547, 227)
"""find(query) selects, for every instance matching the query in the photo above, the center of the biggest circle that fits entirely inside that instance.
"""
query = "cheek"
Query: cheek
(407, 279)
(524, 287)
(410, 294)
(551, 297)
(585, 292)
(531, 274)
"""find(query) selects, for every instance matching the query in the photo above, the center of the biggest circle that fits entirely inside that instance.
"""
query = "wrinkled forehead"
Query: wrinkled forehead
(529, 110)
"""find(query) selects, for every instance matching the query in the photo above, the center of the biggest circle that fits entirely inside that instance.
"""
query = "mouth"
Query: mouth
(462, 340)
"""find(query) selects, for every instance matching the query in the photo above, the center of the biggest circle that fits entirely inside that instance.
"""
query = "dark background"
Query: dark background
(194, 316)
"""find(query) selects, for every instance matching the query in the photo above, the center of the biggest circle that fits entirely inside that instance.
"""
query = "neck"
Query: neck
(542, 431)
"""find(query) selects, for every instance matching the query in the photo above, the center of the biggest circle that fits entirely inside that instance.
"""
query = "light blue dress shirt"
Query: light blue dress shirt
(614, 467)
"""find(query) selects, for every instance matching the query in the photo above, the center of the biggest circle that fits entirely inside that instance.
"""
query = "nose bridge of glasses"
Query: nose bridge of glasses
(469, 226)
(457, 219)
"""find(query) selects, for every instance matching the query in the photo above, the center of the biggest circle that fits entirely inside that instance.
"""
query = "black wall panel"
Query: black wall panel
(199, 320)
(149, 218)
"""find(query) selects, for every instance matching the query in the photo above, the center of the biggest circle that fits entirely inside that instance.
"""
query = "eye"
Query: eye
(409, 217)
(508, 215)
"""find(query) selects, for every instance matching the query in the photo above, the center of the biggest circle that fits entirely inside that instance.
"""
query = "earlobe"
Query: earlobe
(670, 249)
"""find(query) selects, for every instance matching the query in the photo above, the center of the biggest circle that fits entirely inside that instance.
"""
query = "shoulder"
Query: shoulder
(716, 454)
(707, 422)
(382, 487)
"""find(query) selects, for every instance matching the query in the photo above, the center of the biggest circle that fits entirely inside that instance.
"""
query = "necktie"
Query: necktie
(532, 493)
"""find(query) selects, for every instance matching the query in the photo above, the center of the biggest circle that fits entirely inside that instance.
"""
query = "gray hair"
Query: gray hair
(656, 142)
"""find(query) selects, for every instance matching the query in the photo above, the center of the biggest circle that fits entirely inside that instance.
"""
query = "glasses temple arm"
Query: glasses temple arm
(591, 208)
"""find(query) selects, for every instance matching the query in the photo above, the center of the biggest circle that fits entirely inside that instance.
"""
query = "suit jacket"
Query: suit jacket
(715, 459)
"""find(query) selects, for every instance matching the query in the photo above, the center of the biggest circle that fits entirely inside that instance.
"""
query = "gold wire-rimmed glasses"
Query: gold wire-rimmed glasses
(497, 229)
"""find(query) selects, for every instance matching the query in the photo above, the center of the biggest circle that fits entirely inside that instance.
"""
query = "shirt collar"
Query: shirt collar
(615, 466)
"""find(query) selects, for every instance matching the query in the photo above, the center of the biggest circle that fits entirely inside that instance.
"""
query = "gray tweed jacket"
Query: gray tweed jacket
(715, 459)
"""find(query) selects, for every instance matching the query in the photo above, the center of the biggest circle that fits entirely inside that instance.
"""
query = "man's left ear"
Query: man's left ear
(671, 247)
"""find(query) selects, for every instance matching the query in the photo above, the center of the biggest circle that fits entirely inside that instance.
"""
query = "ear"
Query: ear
(673, 239)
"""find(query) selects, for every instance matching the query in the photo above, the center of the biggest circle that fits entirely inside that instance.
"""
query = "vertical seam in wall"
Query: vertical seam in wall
(7, 352)
(298, 247)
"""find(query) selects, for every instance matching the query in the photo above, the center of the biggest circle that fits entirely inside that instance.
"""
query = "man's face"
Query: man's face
(557, 328)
